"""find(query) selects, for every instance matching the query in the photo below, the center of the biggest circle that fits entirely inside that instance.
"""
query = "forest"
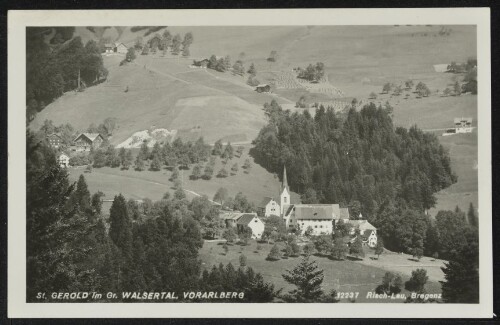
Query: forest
(358, 157)
(71, 247)
(55, 67)
(360, 161)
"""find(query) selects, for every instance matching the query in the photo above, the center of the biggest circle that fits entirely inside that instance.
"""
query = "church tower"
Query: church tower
(285, 193)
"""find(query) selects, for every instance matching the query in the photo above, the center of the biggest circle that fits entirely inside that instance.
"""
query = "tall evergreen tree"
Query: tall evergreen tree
(120, 226)
(307, 277)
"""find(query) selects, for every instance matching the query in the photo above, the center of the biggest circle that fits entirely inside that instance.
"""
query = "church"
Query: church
(318, 218)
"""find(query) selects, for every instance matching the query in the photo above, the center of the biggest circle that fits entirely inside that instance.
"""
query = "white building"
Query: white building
(253, 222)
(269, 207)
(367, 231)
(463, 125)
(63, 160)
(320, 217)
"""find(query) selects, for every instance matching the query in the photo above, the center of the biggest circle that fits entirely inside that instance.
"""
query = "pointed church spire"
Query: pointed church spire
(285, 181)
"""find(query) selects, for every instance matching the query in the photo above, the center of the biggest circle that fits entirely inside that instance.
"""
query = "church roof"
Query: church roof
(317, 211)
(284, 184)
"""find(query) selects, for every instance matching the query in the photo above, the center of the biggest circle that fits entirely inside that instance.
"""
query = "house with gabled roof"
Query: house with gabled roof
(86, 141)
(63, 160)
(269, 207)
(230, 217)
(253, 222)
(55, 140)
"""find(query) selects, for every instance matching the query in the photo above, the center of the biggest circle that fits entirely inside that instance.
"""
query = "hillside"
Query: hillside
(163, 92)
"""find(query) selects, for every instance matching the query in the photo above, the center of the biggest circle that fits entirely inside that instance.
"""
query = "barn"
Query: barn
(85, 141)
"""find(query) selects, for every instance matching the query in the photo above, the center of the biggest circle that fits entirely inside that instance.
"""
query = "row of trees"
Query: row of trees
(52, 69)
(166, 41)
(178, 154)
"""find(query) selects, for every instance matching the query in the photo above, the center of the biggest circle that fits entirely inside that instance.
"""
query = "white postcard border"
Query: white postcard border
(17, 22)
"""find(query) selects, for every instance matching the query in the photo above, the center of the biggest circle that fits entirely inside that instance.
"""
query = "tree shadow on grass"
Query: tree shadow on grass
(353, 258)
(413, 259)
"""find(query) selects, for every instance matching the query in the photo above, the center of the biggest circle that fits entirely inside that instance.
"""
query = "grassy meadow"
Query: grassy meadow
(164, 92)
(256, 184)
(343, 276)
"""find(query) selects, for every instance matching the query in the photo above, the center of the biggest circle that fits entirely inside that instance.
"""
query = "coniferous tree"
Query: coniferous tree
(339, 248)
(379, 249)
(307, 277)
(139, 163)
(274, 253)
(221, 195)
(196, 173)
(472, 217)
(357, 248)
(391, 284)
(217, 150)
(96, 202)
(417, 281)
(120, 226)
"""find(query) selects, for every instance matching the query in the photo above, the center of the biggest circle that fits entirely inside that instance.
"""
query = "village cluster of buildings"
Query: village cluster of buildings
(318, 219)
(84, 142)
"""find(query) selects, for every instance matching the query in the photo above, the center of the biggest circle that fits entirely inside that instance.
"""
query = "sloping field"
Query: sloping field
(343, 276)
(163, 92)
(141, 98)
(256, 185)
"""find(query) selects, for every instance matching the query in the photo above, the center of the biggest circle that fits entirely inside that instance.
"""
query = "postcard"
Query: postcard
(250, 163)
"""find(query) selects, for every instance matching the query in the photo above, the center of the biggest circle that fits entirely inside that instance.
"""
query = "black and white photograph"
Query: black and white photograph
(182, 162)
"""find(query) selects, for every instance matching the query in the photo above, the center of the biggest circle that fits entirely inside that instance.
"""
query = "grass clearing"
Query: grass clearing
(343, 276)
(257, 184)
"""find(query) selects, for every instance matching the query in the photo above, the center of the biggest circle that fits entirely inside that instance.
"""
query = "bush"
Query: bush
(243, 260)
(79, 160)
(252, 81)
(274, 254)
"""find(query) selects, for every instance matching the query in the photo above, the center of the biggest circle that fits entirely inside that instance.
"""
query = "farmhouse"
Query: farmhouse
(462, 125)
(230, 217)
(115, 48)
(55, 140)
(121, 48)
(239, 220)
(86, 141)
(63, 160)
(369, 238)
(263, 88)
(253, 222)
(269, 207)
(367, 231)
(109, 48)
